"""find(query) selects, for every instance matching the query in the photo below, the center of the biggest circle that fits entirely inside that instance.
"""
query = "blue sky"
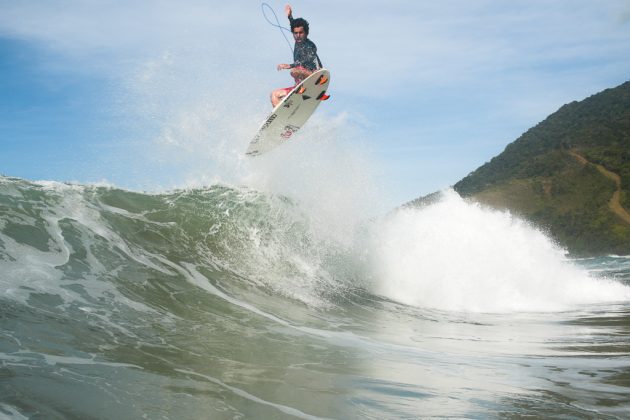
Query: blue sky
(158, 94)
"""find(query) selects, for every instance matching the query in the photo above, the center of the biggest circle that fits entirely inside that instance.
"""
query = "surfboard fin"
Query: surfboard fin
(322, 96)
(301, 90)
(321, 80)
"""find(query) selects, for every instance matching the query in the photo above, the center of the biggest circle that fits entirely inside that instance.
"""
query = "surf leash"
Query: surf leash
(277, 24)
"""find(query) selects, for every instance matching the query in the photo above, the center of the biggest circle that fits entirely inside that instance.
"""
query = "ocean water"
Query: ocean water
(226, 302)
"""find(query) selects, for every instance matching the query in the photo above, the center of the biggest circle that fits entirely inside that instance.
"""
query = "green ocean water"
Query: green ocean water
(225, 302)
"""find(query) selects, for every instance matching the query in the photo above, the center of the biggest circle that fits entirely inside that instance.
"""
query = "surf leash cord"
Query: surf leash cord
(277, 24)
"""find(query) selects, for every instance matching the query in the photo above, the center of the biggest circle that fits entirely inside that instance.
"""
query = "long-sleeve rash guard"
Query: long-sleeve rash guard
(305, 54)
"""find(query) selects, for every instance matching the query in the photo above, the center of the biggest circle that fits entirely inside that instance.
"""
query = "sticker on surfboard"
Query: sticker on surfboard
(291, 113)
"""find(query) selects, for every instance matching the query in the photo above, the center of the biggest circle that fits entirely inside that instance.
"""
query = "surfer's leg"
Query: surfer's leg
(278, 94)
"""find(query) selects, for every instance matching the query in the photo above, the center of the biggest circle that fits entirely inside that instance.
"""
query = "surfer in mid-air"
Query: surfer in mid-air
(305, 59)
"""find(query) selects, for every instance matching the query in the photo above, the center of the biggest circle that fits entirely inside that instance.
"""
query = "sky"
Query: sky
(153, 95)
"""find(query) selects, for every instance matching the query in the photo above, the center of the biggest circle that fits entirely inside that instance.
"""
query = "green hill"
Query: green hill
(570, 174)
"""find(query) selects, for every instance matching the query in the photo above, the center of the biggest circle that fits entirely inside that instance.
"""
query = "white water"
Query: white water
(458, 256)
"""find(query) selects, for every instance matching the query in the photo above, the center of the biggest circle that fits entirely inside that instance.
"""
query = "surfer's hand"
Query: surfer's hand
(287, 10)
(283, 66)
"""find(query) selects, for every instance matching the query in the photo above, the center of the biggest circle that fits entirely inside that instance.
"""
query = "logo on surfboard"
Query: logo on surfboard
(288, 131)
(269, 121)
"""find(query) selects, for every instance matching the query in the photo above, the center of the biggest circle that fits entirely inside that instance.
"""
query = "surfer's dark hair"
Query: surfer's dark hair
(296, 23)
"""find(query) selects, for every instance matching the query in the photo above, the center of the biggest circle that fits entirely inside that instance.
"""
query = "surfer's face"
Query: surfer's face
(298, 34)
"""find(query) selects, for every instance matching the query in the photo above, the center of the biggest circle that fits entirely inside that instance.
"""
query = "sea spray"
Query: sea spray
(194, 130)
(327, 175)
(458, 256)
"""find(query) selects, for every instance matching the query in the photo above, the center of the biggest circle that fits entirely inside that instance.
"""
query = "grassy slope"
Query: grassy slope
(541, 177)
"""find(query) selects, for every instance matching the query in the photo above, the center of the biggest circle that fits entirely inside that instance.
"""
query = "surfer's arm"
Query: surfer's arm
(289, 12)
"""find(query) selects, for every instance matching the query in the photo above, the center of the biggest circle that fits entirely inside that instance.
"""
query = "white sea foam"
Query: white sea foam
(454, 255)
(11, 412)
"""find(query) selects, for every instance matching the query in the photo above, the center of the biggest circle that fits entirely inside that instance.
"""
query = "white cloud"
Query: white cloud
(455, 42)
(394, 45)
(112, 36)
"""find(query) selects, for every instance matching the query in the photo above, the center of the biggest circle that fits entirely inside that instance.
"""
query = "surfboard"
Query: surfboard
(291, 113)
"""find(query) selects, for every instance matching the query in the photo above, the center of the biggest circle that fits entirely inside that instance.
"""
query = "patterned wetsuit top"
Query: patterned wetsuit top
(305, 54)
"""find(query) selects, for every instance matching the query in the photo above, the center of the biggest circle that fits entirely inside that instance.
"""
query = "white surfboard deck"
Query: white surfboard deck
(291, 113)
